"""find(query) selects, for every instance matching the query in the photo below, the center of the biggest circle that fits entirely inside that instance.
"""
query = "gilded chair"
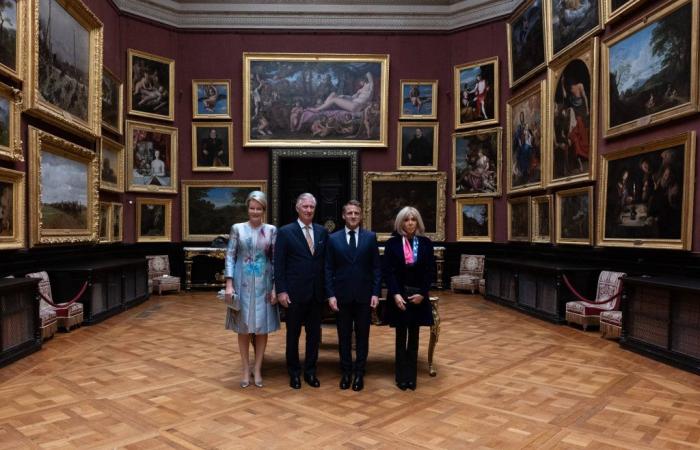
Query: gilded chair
(159, 278)
(471, 274)
(586, 312)
(66, 314)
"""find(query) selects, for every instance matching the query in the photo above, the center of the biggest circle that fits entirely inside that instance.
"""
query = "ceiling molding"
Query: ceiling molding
(387, 15)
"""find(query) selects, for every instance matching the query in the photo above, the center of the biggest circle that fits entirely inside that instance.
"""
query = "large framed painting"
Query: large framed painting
(542, 219)
(476, 93)
(475, 220)
(112, 102)
(575, 216)
(614, 9)
(63, 191)
(151, 156)
(209, 208)
(105, 222)
(646, 195)
(153, 219)
(419, 99)
(10, 139)
(650, 69)
(117, 222)
(476, 163)
(212, 147)
(211, 99)
(111, 166)
(519, 219)
(151, 82)
(570, 22)
(11, 209)
(64, 61)
(12, 32)
(526, 42)
(417, 146)
(525, 160)
(572, 125)
(385, 193)
(309, 99)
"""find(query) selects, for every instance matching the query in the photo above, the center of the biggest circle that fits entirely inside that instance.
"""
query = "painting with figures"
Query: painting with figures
(151, 156)
(418, 99)
(8, 37)
(105, 216)
(153, 220)
(212, 146)
(477, 85)
(6, 209)
(112, 98)
(519, 219)
(525, 139)
(575, 216)
(476, 162)
(526, 41)
(5, 118)
(116, 222)
(571, 21)
(542, 219)
(211, 99)
(419, 145)
(151, 85)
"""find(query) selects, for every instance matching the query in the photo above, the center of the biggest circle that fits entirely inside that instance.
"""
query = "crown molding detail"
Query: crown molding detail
(320, 15)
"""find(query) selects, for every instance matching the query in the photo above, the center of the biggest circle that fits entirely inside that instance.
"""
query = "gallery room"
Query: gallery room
(356, 224)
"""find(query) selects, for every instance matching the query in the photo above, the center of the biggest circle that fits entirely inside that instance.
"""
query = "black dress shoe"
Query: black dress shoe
(344, 381)
(294, 382)
(401, 385)
(358, 383)
(312, 381)
(411, 385)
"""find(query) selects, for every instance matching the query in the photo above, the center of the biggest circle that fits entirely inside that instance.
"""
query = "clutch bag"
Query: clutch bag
(232, 301)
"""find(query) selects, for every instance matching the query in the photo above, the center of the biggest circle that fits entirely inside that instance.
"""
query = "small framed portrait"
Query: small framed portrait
(111, 166)
(105, 222)
(419, 99)
(211, 99)
(575, 216)
(11, 209)
(542, 219)
(476, 93)
(519, 219)
(151, 155)
(11, 38)
(10, 108)
(526, 42)
(418, 146)
(151, 82)
(112, 102)
(525, 160)
(117, 222)
(570, 23)
(475, 220)
(212, 147)
(476, 163)
(153, 219)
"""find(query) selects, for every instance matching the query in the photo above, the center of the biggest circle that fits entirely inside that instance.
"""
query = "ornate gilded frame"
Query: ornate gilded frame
(611, 15)
(514, 202)
(168, 204)
(195, 146)
(119, 150)
(509, 37)
(120, 126)
(13, 151)
(664, 115)
(399, 145)
(549, 25)
(440, 180)
(195, 85)
(117, 237)
(559, 196)
(20, 42)
(15, 178)
(460, 224)
(41, 141)
(433, 100)
(499, 161)
(535, 235)
(495, 87)
(131, 126)
(130, 84)
(108, 226)
(34, 103)
(686, 139)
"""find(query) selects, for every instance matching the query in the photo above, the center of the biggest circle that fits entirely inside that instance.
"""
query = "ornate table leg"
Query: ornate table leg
(434, 335)
(188, 272)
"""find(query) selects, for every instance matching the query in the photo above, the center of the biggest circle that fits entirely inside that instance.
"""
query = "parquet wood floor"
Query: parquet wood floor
(165, 376)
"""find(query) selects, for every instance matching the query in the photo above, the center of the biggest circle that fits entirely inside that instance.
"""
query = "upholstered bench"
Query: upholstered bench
(67, 315)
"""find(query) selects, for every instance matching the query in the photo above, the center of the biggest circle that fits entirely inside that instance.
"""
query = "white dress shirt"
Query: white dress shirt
(357, 236)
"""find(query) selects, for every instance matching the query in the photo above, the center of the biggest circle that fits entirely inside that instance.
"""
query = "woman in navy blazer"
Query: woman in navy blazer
(408, 268)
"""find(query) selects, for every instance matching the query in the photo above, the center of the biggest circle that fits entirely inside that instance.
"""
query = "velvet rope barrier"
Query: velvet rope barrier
(66, 304)
(582, 298)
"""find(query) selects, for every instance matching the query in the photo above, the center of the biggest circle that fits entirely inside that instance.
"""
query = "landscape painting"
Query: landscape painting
(570, 22)
(64, 192)
(475, 220)
(151, 85)
(526, 42)
(575, 216)
(111, 166)
(476, 163)
(210, 99)
(477, 85)
(10, 14)
(419, 99)
(524, 115)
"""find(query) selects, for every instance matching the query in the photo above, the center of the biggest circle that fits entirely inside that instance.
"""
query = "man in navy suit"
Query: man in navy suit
(299, 252)
(353, 283)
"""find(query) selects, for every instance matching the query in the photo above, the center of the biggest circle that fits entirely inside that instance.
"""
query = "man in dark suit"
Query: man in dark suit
(299, 252)
(353, 283)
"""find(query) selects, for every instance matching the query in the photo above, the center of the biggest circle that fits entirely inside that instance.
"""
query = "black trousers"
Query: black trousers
(353, 316)
(407, 353)
(307, 314)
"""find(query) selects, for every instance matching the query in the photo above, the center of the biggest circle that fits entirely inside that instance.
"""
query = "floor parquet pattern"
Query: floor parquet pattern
(165, 375)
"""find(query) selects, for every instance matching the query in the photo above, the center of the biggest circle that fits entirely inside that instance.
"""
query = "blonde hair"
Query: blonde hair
(259, 197)
(406, 212)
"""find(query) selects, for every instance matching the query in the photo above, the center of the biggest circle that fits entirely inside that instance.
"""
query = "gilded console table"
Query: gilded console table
(209, 252)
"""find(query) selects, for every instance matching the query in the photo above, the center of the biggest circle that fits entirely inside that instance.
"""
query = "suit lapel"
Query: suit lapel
(302, 239)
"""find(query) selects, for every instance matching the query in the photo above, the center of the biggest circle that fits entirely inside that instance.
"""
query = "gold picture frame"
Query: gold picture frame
(12, 148)
(661, 102)
(474, 208)
(147, 104)
(150, 227)
(565, 229)
(519, 208)
(611, 16)
(425, 191)
(482, 169)
(488, 70)
(117, 222)
(140, 154)
(16, 73)
(554, 27)
(85, 117)
(568, 118)
(412, 153)
(118, 96)
(57, 211)
(111, 178)
(542, 230)
(660, 156)
(527, 56)
(12, 199)
(223, 163)
(105, 226)
(209, 91)
(407, 102)
(367, 118)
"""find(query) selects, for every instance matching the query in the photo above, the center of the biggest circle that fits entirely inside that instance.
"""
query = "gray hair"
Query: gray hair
(304, 196)
(259, 197)
(406, 212)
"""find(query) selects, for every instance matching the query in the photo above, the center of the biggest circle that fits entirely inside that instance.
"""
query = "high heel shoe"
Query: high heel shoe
(259, 383)
(245, 383)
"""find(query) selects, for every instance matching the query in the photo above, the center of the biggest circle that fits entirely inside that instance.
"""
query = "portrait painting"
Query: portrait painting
(112, 102)
(151, 157)
(646, 194)
(11, 31)
(303, 99)
(476, 93)
(571, 22)
(475, 220)
(572, 141)
(117, 222)
(10, 139)
(615, 9)
(211, 99)
(526, 43)
(212, 147)
(11, 209)
(209, 208)
(418, 146)
(153, 220)
(476, 163)
(519, 219)
(105, 217)
(575, 216)
(542, 219)
(525, 158)
(111, 166)
(151, 85)
(650, 70)
(419, 99)
(386, 193)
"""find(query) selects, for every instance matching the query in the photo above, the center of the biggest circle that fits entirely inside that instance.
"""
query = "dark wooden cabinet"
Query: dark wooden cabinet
(20, 329)
(661, 319)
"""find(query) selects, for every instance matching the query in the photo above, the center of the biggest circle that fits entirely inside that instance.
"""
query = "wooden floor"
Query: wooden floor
(165, 375)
